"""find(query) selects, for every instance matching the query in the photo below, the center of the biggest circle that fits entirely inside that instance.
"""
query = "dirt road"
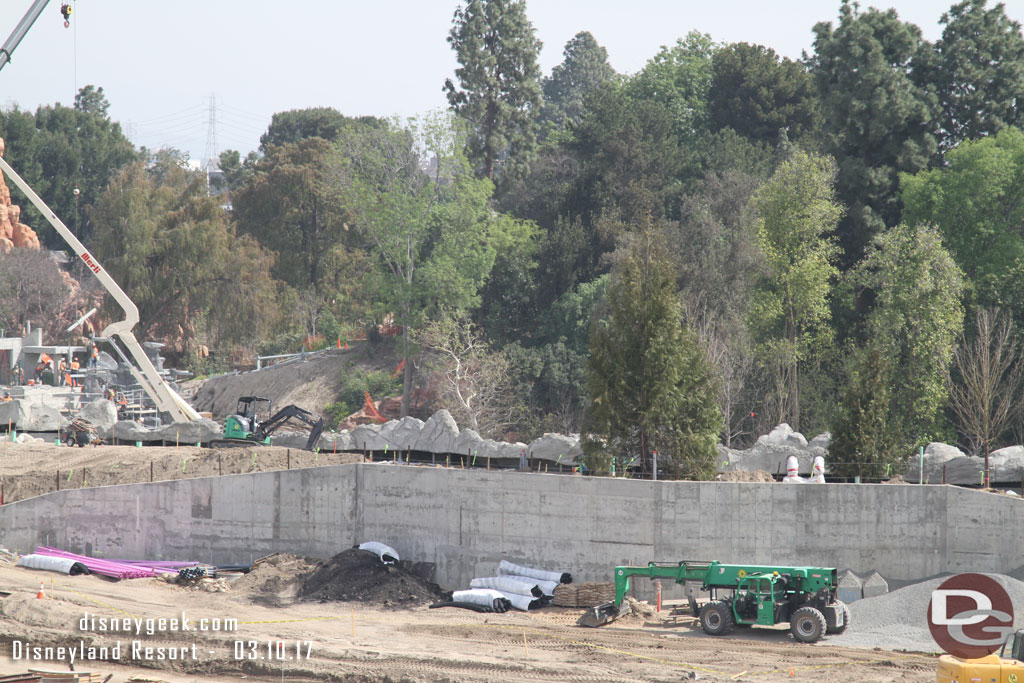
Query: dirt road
(353, 641)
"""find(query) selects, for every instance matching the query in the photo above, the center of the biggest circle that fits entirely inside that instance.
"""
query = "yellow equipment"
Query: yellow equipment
(989, 669)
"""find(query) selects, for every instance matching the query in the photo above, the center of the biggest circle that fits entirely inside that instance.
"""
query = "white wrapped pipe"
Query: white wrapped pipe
(485, 597)
(506, 567)
(509, 584)
(523, 602)
(547, 587)
(61, 565)
(386, 553)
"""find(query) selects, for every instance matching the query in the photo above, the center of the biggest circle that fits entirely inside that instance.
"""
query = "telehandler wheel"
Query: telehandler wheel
(846, 618)
(716, 618)
(807, 625)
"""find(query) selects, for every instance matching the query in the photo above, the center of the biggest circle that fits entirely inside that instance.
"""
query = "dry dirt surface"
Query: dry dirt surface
(311, 384)
(32, 469)
(360, 641)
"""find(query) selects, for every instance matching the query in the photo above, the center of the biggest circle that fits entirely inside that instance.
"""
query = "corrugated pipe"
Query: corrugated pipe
(485, 597)
(506, 567)
(509, 584)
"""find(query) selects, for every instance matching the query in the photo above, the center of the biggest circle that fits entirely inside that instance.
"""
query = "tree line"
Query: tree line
(722, 241)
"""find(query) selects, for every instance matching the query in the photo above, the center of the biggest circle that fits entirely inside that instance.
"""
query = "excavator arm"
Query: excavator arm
(315, 422)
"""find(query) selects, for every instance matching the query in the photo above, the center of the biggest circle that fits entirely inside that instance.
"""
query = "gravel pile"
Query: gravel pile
(898, 620)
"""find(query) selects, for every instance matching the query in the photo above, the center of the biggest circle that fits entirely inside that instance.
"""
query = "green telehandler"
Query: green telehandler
(805, 597)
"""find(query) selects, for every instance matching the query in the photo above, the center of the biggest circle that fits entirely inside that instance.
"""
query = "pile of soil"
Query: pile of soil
(275, 579)
(360, 576)
(744, 476)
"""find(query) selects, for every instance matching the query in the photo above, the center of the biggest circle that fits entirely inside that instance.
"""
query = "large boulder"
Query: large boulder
(197, 431)
(772, 450)
(402, 434)
(101, 414)
(14, 413)
(556, 448)
(43, 417)
(368, 438)
(438, 434)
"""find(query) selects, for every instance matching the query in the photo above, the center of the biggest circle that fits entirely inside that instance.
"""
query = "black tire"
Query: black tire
(716, 618)
(807, 625)
(846, 618)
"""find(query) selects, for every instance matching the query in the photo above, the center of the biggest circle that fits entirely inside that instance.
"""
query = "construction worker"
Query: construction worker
(6, 397)
(74, 371)
(62, 372)
(94, 358)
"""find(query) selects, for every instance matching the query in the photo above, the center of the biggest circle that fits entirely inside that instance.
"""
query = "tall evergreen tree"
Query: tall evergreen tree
(864, 442)
(498, 91)
(584, 67)
(881, 121)
(979, 72)
(757, 94)
(648, 379)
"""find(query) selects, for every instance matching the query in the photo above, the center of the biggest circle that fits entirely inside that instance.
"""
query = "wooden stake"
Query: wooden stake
(289, 458)
(150, 471)
(58, 480)
(220, 468)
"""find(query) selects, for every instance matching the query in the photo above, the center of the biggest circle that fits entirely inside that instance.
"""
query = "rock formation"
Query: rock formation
(13, 233)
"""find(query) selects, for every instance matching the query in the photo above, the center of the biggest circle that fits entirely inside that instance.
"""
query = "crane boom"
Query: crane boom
(165, 398)
(20, 30)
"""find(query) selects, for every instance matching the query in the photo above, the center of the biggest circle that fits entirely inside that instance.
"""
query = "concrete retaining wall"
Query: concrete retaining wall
(468, 520)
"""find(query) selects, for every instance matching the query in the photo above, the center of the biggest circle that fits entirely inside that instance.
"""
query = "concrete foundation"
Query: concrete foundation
(467, 521)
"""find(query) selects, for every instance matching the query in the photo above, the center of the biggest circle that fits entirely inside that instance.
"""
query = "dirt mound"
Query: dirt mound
(275, 579)
(360, 576)
(741, 475)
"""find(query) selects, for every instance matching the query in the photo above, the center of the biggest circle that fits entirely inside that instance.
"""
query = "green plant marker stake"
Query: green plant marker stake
(254, 458)
(474, 458)
(184, 461)
(69, 475)
(559, 459)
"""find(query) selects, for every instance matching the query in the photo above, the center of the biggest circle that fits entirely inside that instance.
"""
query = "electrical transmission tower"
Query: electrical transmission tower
(211, 139)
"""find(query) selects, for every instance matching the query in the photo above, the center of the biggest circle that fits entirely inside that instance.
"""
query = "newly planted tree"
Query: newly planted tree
(649, 382)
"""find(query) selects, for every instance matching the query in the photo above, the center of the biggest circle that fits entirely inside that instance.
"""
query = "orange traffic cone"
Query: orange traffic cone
(39, 595)
(346, 345)
(339, 342)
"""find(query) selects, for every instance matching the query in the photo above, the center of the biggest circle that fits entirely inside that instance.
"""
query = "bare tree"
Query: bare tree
(985, 381)
(473, 381)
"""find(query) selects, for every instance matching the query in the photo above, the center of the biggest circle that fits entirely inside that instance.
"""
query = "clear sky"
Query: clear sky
(160, 63)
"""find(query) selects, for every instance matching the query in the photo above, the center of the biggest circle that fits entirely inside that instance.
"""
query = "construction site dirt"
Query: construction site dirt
(371, 641)
(356, 622)
(32, 469)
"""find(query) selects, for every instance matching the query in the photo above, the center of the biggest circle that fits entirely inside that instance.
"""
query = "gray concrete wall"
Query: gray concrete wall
(468, 520)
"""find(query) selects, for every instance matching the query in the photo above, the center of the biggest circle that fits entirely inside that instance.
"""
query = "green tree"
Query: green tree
(584, 67)
(977, 203)
(173, 250)
(235, 170)
(61, 149)
(498, 92)
(648, 380)
(796, 215)
(433, 236)
(865, 443)
(881, 121)
(289, 127)
(288, 204)
(915, 322)
(978, 72)
(680, 77)
(757, 94)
